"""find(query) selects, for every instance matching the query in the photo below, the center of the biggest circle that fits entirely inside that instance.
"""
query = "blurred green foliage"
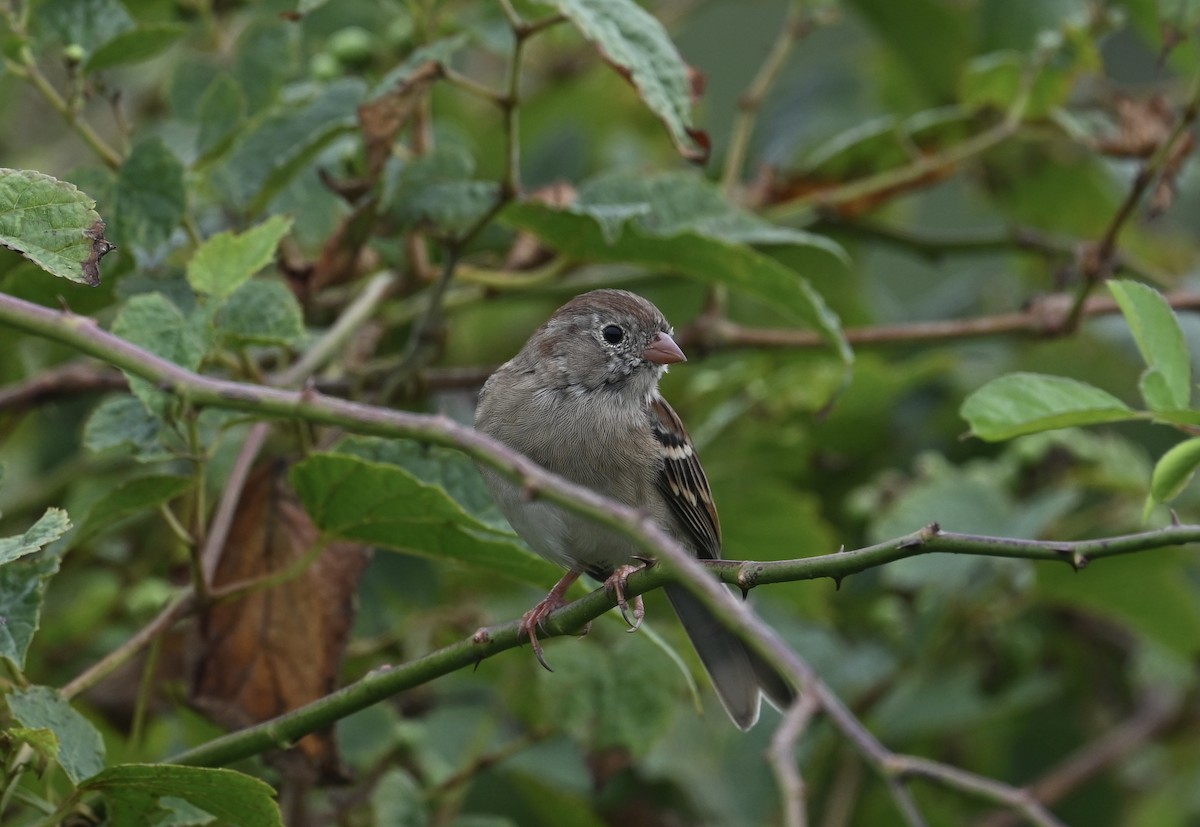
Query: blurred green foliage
(924, 161)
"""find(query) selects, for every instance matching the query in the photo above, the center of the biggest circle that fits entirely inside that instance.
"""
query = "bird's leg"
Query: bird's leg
(535, 617)
(616, 584)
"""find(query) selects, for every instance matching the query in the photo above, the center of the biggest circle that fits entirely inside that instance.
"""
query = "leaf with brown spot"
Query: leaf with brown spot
(636, 45)
(275, 649)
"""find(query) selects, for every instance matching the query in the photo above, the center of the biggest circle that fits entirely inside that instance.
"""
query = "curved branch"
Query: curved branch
(85, 335)
(1041, 319)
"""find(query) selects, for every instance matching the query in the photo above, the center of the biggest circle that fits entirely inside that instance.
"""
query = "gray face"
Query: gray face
(603, 345)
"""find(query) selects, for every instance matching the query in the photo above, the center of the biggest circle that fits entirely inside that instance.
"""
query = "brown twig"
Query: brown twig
(1097, 263)
(782, 757)
(1029, 239)
(181, 606)
(63, 381)
(1042, 319)
(800, 21)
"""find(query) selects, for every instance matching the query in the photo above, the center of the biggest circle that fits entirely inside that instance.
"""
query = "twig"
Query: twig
(1016, 799)
(846, 792)
(486, 761)
(231, 495)
(936, 247)
(313, 359)
(348, 323)
(800, 21)
(782, 758)
(510, 182)
(1041, 319)
(27, 68)
(1099, 262)
(899, 178)
(177, 608)
(70, 379)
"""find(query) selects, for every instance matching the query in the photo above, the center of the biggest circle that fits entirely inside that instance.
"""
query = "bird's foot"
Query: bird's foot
(535, 618)
(616, 585)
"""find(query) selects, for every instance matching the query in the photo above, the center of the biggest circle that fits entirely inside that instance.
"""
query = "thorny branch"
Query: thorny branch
(83, 334)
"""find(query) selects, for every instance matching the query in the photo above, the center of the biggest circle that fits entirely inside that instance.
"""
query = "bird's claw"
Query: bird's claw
(535, 619)
(616, 584)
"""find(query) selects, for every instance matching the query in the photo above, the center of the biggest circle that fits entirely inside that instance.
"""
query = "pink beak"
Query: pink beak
(663, 351)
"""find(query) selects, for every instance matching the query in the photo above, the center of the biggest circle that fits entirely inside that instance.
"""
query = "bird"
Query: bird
(581, 399)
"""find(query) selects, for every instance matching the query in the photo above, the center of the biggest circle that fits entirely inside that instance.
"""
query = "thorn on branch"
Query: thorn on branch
(837, 582)
(747, 579)
(1079, 561)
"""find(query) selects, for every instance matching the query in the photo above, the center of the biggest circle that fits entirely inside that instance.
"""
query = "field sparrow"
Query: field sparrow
(581, 399)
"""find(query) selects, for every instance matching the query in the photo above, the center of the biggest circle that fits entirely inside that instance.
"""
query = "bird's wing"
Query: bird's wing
(682, 481)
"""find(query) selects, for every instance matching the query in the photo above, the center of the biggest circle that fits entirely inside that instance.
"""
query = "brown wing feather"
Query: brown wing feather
(682, 481)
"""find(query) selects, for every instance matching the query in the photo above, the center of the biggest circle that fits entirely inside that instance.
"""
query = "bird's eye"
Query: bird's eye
(612, 334)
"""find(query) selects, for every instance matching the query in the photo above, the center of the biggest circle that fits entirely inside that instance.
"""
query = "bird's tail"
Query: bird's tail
(740, 676)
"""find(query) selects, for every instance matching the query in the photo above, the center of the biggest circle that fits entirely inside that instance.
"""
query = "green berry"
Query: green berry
(353, 46)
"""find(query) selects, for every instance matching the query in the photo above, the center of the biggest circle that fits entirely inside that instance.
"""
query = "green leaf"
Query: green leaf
(53, 524)
(87, 23)
(22, 586)
(227, 260)
(80, 748)
(617, 696)
(132, 791)
(449, 208)
(151, 321)
(1167, 384)
(149, 198)
(134, 46)
(1025, 403)
(998, 79)
(261, 312)
(386, 505)
(710, 243)
(265, 56)
(121, 421)
(1152, 594)
(450, 470)
(131, 497)
(52, 224)
(398, 800)
(222, 109)
(633, 42)
(886, 143)
(1174, 470)
(268, 155)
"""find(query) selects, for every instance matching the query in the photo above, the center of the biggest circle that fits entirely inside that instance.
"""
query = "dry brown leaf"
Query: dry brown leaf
(382, 118)
(1143, 126)
(277, 648)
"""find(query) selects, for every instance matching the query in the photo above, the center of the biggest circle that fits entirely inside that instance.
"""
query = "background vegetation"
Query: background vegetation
(877, 226)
